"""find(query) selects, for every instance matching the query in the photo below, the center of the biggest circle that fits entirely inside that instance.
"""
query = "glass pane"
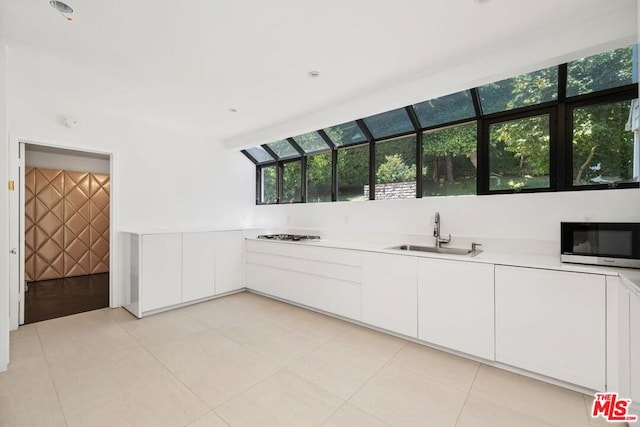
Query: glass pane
(260, 154)
(319, 178)
(396, 168)
(603, 71)
(311, 142)
(269, 190)
(390, 123)
(283, 149)
(445, 109)
(602, 147)
(292, 182)
(520, 91)
(345, 134)
(450, 161)
(353, 173)
(519, 154)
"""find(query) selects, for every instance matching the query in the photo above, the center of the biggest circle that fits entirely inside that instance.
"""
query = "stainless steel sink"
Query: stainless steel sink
(441, 250)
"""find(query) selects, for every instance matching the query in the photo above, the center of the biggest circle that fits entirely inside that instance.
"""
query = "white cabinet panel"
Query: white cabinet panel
(301, 250)
(161, 270)
(330, 295)
(389, 292)
(349, 273)
(228, 254)
(455, 306)
(552, 323)
(634, 329)
(198, 265)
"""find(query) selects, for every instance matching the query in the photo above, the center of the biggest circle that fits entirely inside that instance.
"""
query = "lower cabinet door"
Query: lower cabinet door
(552, 323)
(161, 270)
(228, 254)
(198, 265)
(455, 305)
(389, 292)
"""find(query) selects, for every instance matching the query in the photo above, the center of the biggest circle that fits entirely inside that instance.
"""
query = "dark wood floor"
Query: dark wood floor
(48, 299)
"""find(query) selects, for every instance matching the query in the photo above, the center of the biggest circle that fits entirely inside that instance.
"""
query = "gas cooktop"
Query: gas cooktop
(289, 237)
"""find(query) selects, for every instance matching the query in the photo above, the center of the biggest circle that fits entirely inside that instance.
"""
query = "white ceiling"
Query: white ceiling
(185, 63)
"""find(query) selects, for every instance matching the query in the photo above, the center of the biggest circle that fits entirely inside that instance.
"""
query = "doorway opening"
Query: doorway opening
(65, 224)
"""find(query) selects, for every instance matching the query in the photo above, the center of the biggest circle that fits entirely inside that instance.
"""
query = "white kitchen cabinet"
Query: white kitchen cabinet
(389, 291)
(229, 250)
(324, 278)
(198, 265)
(634, 343)
(552, 323)
(160, 270)
(456, 305)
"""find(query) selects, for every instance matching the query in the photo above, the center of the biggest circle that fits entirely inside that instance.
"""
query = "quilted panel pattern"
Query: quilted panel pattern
(66, 224)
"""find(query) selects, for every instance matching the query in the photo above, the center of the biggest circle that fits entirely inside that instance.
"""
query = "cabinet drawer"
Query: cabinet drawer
(318, 268)
(293, 250)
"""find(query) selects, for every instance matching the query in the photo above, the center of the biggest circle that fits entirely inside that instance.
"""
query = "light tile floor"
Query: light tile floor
(246, 360)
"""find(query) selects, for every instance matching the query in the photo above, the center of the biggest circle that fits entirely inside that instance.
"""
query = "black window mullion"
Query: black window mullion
(326, 139)
(475, 98)
(482, 178)
(562, 82)
(419, 165)
(413, 117)
(303, 179)
(555, 139)
(334, 175)
(270, 151)
(258, 185)
(280, 182)
(295, 145)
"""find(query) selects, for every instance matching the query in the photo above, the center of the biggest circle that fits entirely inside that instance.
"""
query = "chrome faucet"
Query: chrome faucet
(436, 232)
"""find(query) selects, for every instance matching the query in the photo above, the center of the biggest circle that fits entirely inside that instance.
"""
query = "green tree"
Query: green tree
(447, 144)
(394, 169)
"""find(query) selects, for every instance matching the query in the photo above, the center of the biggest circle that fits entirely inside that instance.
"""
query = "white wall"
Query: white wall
(162, 179)
(534, 216)
(64, 161)
(4, 217)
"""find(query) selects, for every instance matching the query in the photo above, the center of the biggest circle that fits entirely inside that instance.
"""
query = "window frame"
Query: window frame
(560, 112)
(608, 96)
(484, 167)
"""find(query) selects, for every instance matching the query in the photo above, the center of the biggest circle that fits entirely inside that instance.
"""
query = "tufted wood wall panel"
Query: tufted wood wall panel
(66, 224)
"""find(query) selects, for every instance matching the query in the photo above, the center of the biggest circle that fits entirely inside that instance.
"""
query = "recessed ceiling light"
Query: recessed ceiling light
(233, 110)
(482, 1)
(63, 8)
(313, 74)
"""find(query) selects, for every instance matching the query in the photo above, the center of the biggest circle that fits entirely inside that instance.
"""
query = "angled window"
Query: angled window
(603, 145)
(268, 185)
(291, 182)
(311, 142)
(260, 155)
(450, 160)
(388, 124)
(345, 134)
(519, 154)
(283, 149)
(603, 71)
(520, 91)
(446, 109)
(319, 178)
(396, 168)
(353, 172)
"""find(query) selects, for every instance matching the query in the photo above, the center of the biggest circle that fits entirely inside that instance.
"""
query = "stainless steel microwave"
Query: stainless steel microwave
(601, 243)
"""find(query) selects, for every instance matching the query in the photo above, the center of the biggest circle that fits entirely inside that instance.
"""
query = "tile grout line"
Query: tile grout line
(467, 395)
(46, 359)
